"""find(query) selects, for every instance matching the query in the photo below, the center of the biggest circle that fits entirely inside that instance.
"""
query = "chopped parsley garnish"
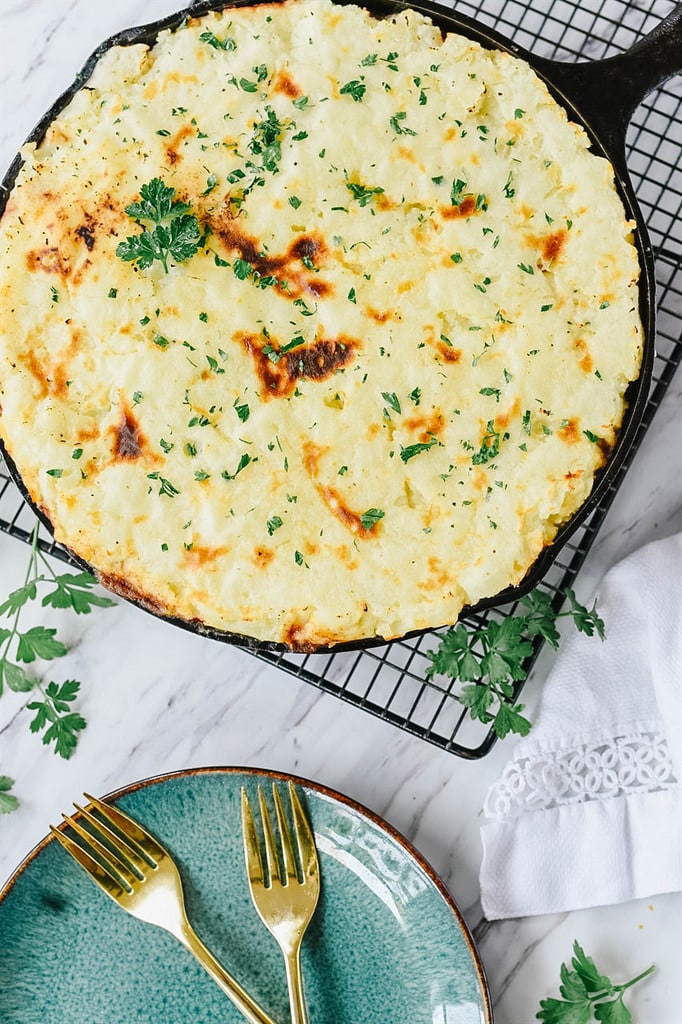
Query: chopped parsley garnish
(415, 395)
(398, 127)
(369, 60)
(218, 44)
(491, 393)
(301, 103)
(175, 232)
(211, 183)
(55, 293)
(456, 257)
(274, 524)
(371, 517)
(362, 194)
(165, 486)
(298, 558)
(518, 113)
(509, 192)
(411, 450)
(526, 268)
(457, 192)
(243, 463)
(295, 202)
(544, 309)
(267, 140)
(490, 447)
(392, 399)
(203, 317)
(113, 292)
(352, 296)
(242, 411)
(248, 86)
(55, 473)
(355, 89)
(242, 269)
(591, 437)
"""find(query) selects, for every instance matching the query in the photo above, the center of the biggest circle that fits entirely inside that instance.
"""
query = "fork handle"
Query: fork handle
(292, 961)
(247, 1006)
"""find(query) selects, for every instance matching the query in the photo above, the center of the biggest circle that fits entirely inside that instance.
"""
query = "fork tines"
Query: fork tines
(296, 868)
(115, 850)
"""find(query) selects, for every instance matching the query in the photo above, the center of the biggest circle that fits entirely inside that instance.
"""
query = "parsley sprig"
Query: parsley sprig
(21, 647)
(587, 995)
(54, 712)
(8, 801)
(490, 658)
(175, 232)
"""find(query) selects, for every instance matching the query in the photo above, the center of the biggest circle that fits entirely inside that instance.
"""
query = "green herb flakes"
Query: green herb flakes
(371, 517)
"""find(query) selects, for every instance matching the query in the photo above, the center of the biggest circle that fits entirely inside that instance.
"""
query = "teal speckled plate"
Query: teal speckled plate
(387, 945)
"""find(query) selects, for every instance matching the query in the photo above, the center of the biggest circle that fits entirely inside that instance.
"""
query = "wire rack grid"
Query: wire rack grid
(390, 681)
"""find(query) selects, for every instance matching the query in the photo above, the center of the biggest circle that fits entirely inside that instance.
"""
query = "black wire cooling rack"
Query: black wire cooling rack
(390, 681)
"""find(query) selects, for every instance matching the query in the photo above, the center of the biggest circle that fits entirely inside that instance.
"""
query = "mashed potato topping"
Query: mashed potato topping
(381, 356)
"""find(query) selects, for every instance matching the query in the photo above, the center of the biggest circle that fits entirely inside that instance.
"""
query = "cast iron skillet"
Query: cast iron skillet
(599, 95)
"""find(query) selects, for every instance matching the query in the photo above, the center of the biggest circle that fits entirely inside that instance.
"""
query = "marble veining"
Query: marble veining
(159, 699)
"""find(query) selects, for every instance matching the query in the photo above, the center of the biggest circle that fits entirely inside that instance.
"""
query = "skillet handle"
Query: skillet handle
(606, 92)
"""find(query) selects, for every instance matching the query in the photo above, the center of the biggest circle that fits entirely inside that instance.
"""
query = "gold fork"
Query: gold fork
(285, 902)
(132, 867)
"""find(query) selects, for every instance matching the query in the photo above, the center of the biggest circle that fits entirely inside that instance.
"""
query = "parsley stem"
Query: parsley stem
(43, 559)
(30, 575)
(629, 984)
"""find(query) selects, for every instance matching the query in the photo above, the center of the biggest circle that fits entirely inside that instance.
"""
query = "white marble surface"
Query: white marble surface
(158, 699)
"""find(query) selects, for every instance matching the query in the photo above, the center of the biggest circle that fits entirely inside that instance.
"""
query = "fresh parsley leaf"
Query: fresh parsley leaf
(15, 677)
(585, 992)
(18, 598)
(8, 802)
(39, 642)
(71, 590)
(492, 659)
(158, 203)
(74, 590)
(53, 711)
(175, 234)
(588, 622)
(509, 719)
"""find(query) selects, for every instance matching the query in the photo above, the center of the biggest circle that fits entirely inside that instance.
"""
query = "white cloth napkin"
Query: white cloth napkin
(588, 810)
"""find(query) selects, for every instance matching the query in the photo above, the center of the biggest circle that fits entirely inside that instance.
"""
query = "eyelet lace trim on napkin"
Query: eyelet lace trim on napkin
(625, 765)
